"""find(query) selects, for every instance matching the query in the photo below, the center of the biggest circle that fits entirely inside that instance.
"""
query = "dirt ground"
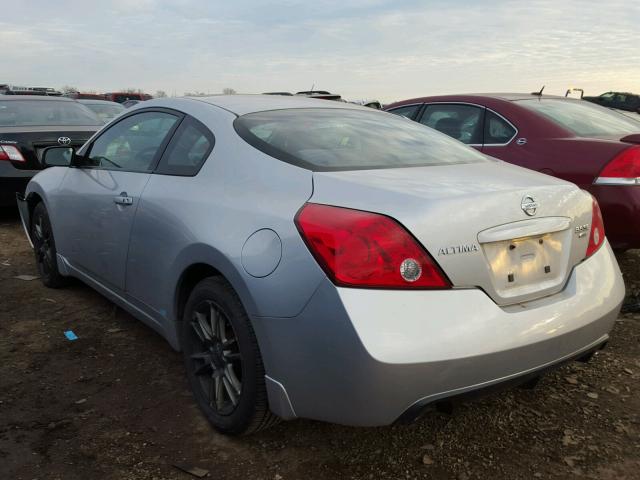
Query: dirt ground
(114, 404)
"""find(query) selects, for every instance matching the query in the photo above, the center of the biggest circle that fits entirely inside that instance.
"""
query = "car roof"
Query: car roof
(243, 104)
(91, 101)
(477, 97)
(37, 98)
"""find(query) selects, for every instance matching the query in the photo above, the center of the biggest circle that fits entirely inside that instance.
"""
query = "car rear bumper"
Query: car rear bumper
(620, 205)
(9, 186)
(12, 180)
(366, 357)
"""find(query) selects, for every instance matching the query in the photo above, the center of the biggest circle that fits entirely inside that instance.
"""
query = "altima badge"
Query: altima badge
(458, 249)
(529, 205)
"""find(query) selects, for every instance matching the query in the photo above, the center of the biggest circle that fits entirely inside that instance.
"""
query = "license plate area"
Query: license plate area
(530, 264)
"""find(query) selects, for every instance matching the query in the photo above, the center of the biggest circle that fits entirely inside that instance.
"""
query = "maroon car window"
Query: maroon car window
(408, 111)
(462, 122)
(583, 118)
(497, 131)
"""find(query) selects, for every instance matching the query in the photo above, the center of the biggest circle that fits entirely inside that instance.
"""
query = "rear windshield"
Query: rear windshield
(24, 113)
(583, 118)
(323, 139)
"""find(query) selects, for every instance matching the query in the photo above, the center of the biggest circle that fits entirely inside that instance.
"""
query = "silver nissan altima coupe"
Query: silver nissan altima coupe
(324, 260)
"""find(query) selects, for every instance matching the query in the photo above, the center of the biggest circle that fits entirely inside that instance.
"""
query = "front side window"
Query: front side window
(497, 131)
(462, 122)
(24, 113)
(189, 148)
(329, 139)
(409, 111)
(585, 119)
(133, 143)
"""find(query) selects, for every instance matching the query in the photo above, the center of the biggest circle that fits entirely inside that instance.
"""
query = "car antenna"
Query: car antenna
(538, 94)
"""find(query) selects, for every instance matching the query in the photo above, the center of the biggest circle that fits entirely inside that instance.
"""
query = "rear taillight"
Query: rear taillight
(596, 236)
(364, 249)
(11, 153)
(624, 169)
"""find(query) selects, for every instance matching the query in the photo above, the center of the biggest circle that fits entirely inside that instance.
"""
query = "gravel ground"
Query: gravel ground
(114, 404)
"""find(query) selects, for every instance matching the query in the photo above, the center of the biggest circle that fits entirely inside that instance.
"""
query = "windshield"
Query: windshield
(323, 139)
(105, 112)
(583, 118)
(24, 113)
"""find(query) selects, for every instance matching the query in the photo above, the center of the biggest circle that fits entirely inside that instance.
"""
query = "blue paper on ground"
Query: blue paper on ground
(70, 335)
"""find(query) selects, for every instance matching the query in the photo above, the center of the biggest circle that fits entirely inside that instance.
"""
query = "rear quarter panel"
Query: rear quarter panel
(182, 221)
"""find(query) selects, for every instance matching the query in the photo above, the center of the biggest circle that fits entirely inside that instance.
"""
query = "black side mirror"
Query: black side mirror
(58, 156)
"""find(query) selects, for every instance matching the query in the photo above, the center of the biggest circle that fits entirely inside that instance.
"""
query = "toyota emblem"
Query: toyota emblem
(64, 140)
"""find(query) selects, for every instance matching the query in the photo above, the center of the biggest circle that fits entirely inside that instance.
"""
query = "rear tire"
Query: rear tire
(223, 361)
(44, 247)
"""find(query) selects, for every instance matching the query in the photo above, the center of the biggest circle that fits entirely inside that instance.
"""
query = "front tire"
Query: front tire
(223, 361)
(44, 247)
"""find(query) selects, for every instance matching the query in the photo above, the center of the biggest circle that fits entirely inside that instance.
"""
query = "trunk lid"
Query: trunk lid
(473, 220)
(31, 141)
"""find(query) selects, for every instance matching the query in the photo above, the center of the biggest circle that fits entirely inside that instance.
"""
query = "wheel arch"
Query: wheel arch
(194, 268)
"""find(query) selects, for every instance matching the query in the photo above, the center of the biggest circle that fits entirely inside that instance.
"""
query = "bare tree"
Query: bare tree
(228, 91)
(160, 94)
(68, 89)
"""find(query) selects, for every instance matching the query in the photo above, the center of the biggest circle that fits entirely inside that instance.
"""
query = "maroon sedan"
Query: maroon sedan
(589, 145)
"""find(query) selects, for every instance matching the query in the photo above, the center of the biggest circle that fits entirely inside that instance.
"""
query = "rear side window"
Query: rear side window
(409, 111)
(326, 139)
(462, 122)
(189, 148)
(583, 118)
(497, 131)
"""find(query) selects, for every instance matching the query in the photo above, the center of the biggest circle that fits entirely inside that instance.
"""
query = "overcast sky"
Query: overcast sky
(381, 49)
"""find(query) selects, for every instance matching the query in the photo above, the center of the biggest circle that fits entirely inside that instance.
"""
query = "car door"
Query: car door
(159, 232)
(461, 121)
(501, 139)
(99, 195)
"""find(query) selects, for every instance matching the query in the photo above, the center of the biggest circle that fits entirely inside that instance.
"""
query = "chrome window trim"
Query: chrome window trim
(486, 108)
(616, 181)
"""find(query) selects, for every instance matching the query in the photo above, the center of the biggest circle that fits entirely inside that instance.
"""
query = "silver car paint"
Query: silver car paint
(328, 351)
(362, 357)
(451, 205)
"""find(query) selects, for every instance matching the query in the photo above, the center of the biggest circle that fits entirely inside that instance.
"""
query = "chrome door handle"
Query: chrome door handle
(123, 199)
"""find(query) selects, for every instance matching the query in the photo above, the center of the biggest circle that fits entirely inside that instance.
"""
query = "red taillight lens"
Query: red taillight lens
(596, 236)
(364, 249)
(624, 168)
(9, 152)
